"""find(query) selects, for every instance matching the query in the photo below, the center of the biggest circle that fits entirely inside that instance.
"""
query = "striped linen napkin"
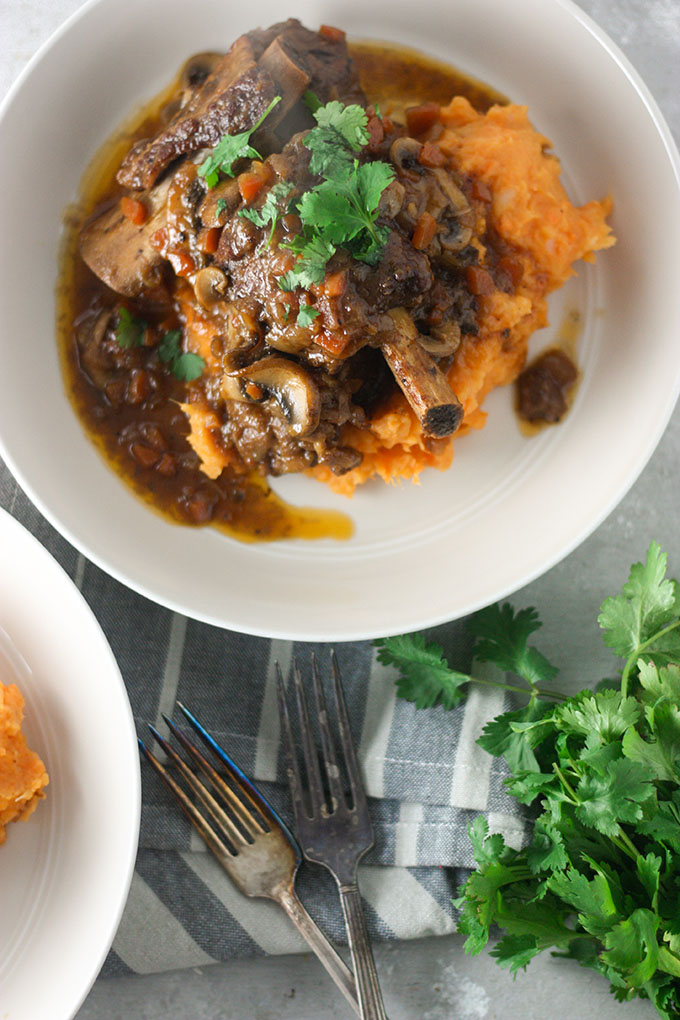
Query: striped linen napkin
(425, 776)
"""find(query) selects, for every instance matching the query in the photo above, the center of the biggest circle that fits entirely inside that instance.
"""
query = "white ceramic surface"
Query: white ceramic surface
(66, 871)
(509, 508)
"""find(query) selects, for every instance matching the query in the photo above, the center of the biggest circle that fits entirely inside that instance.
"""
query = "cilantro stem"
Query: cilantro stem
(566, 784)
(633, 657)
(629, 847)
(668, 962)
(531, 690)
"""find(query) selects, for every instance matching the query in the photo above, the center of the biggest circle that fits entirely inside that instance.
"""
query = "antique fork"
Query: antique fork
(330, 831)
(245, 833)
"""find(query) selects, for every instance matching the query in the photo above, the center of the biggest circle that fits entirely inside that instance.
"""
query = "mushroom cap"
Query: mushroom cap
(210, 286)
(285, 382)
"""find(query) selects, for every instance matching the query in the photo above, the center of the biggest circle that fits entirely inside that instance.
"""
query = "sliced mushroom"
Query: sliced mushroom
(287, 383)
(197, 68)
(424, 385)
(443, 340)
(404, 153)
(210, 286)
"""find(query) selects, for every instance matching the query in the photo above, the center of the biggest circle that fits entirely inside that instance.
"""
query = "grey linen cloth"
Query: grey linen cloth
(425, 776)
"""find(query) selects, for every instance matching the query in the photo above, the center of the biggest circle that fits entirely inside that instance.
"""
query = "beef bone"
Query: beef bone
(422, 382)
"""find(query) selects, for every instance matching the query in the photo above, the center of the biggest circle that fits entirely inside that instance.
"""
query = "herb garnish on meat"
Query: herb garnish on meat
(342, 209)
(230, 148)
(599, 880)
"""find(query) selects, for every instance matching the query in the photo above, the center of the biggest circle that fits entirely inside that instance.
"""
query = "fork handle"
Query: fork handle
(370, 997)
(327, 954)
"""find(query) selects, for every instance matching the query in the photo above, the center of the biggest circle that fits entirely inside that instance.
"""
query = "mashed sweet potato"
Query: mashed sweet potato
(528, 208)
(22, 774)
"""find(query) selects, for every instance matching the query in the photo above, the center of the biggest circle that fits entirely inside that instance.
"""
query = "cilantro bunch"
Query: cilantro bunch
(599, 881)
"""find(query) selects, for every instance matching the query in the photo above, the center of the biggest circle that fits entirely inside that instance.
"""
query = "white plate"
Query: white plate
(66, 871)
(509, 508)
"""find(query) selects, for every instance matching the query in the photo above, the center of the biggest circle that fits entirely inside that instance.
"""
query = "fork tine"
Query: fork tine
(328, 744)
(351, 763)
(191, 811)
(215, 810)
(248, 820)
(310, 755)
(294, 780)
(239, 778)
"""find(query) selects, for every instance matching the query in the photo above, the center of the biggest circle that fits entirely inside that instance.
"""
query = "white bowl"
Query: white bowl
(510, 507)
(66, 870)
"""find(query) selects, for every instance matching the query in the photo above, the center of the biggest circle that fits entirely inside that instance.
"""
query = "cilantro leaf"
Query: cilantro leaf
(425, 678)
(230, 148)
(185, 366)
(487, 849)
(310, 268)
(188, 366)
(169, 346)
(501, 637)
(606, 801)
(349, 122)
(661, 753)
(516, 951)
(546, 851)
(658, 682)
(342, 210)
(600, 718)
(648, 601)
(632, 947)
(306, 315)
(130, 329)
(270, 210)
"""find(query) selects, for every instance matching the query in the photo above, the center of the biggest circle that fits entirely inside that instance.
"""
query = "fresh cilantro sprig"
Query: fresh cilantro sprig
(342, 209)
(230, 148)
(599, 880)
(184, 365)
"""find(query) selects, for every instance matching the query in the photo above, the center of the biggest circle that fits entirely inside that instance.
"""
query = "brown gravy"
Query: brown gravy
(243, 506)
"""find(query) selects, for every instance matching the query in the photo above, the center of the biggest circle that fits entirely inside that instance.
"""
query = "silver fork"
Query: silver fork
(251, 842)
(331, 832)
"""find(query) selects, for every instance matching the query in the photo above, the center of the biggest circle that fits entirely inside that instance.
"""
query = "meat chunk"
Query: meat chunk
(284, 61)
(543, 386)
(121, 253)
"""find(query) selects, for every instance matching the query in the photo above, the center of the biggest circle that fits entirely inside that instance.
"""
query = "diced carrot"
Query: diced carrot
(159, 239)
(332, 33)
(133, 210)
(250, 185)
(335, 284)
(209, 239)
(511, 268)
(182, 262)
(479, 281)
(480, 189)
(431, 155)
(254, 391)
(420, 118)
(335, 343)
(424, 231)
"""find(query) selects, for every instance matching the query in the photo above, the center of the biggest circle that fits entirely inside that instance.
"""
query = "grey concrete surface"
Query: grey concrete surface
(432, 979)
